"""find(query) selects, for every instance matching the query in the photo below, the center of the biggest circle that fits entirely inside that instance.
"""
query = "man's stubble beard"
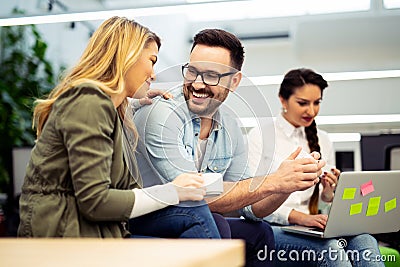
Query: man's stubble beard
(210, 109)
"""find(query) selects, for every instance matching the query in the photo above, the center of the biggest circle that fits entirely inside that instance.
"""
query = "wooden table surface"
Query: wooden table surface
(19, 252)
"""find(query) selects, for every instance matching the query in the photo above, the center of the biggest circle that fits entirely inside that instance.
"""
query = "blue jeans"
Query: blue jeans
(176, 222)
(301, 250)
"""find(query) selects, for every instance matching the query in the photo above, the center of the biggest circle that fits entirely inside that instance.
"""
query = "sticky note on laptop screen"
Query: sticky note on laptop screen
(349, 193)
(356, 208)
(373, 206)
(390, 205)
(367, 188)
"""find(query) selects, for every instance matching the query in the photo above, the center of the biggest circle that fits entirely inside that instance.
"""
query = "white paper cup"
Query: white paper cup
(328, 168)
(213, 184)
(303, 154)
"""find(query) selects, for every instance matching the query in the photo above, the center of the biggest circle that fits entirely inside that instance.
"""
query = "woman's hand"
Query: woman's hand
(189, 186)
(329, 181)
(152, 93)
(148, 99)
(318, 220)
(300, 218)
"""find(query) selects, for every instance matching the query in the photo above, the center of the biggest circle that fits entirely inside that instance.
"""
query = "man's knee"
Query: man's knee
(223, 226)
(256, 233)
(266, 234)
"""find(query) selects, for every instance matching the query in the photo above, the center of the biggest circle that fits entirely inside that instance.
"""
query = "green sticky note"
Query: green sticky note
(390, 205)
(349, 193)
(356, 208)
(373, 206)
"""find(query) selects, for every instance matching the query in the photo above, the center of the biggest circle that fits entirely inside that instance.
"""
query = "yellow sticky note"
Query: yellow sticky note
(390, 205)
(373, 206)
(356, 208)
(349, 193)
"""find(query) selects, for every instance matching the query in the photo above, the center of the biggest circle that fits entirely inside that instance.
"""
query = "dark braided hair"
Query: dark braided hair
(313, 144)
(293, 80)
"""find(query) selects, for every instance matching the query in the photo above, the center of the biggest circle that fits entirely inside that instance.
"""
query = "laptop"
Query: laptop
(364, 202)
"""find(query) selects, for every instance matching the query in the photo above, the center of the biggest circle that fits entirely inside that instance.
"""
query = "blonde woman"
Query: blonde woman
(80, 182)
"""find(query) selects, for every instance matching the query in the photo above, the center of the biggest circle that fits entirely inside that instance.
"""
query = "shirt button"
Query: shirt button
(215, 168)
(196, 134)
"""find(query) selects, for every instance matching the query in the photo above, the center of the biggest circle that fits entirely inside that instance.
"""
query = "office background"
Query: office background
(354, 44)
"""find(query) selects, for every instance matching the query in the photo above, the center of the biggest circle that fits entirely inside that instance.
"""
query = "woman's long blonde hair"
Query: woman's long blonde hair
(114, 47)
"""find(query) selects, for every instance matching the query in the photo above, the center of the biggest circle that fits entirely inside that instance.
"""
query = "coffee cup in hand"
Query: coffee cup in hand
(328, 168)
(213, 184)
(304, 154)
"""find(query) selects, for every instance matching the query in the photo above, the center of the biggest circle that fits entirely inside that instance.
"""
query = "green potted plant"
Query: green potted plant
(25, 75)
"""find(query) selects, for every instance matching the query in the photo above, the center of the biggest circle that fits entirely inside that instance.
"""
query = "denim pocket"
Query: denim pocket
(219, 165)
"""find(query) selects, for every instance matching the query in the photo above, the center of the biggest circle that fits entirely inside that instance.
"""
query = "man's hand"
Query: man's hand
(296, 174)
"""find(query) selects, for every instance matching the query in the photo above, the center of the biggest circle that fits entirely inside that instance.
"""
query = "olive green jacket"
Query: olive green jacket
(76, 179)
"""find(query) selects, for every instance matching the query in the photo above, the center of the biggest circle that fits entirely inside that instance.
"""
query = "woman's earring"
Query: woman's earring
(284, 110)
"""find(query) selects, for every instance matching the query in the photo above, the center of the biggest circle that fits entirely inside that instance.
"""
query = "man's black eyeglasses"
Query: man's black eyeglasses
(208, 77)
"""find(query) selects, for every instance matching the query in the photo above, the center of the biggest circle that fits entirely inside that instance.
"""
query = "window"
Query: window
(391, 4)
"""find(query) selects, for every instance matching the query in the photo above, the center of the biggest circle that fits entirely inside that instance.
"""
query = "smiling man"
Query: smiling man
(196, 132)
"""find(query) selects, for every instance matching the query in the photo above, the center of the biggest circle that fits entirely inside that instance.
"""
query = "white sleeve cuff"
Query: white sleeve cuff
(280, 216)
(134, 103)
(153, 198)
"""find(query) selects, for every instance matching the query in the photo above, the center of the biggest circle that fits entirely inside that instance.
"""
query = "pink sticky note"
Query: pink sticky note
(367, 188)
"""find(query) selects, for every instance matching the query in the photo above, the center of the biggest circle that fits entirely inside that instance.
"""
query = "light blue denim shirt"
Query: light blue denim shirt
(168, 135)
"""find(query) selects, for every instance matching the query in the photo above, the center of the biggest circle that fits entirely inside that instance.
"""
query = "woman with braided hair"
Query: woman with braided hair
(300, 94)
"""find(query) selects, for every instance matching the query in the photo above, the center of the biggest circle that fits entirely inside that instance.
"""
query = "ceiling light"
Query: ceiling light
(357, 119)
(391, 4)
(336, 120)
(201, 10)
(331, 77)
(201, 1)
(344, 137)
(86, 16)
